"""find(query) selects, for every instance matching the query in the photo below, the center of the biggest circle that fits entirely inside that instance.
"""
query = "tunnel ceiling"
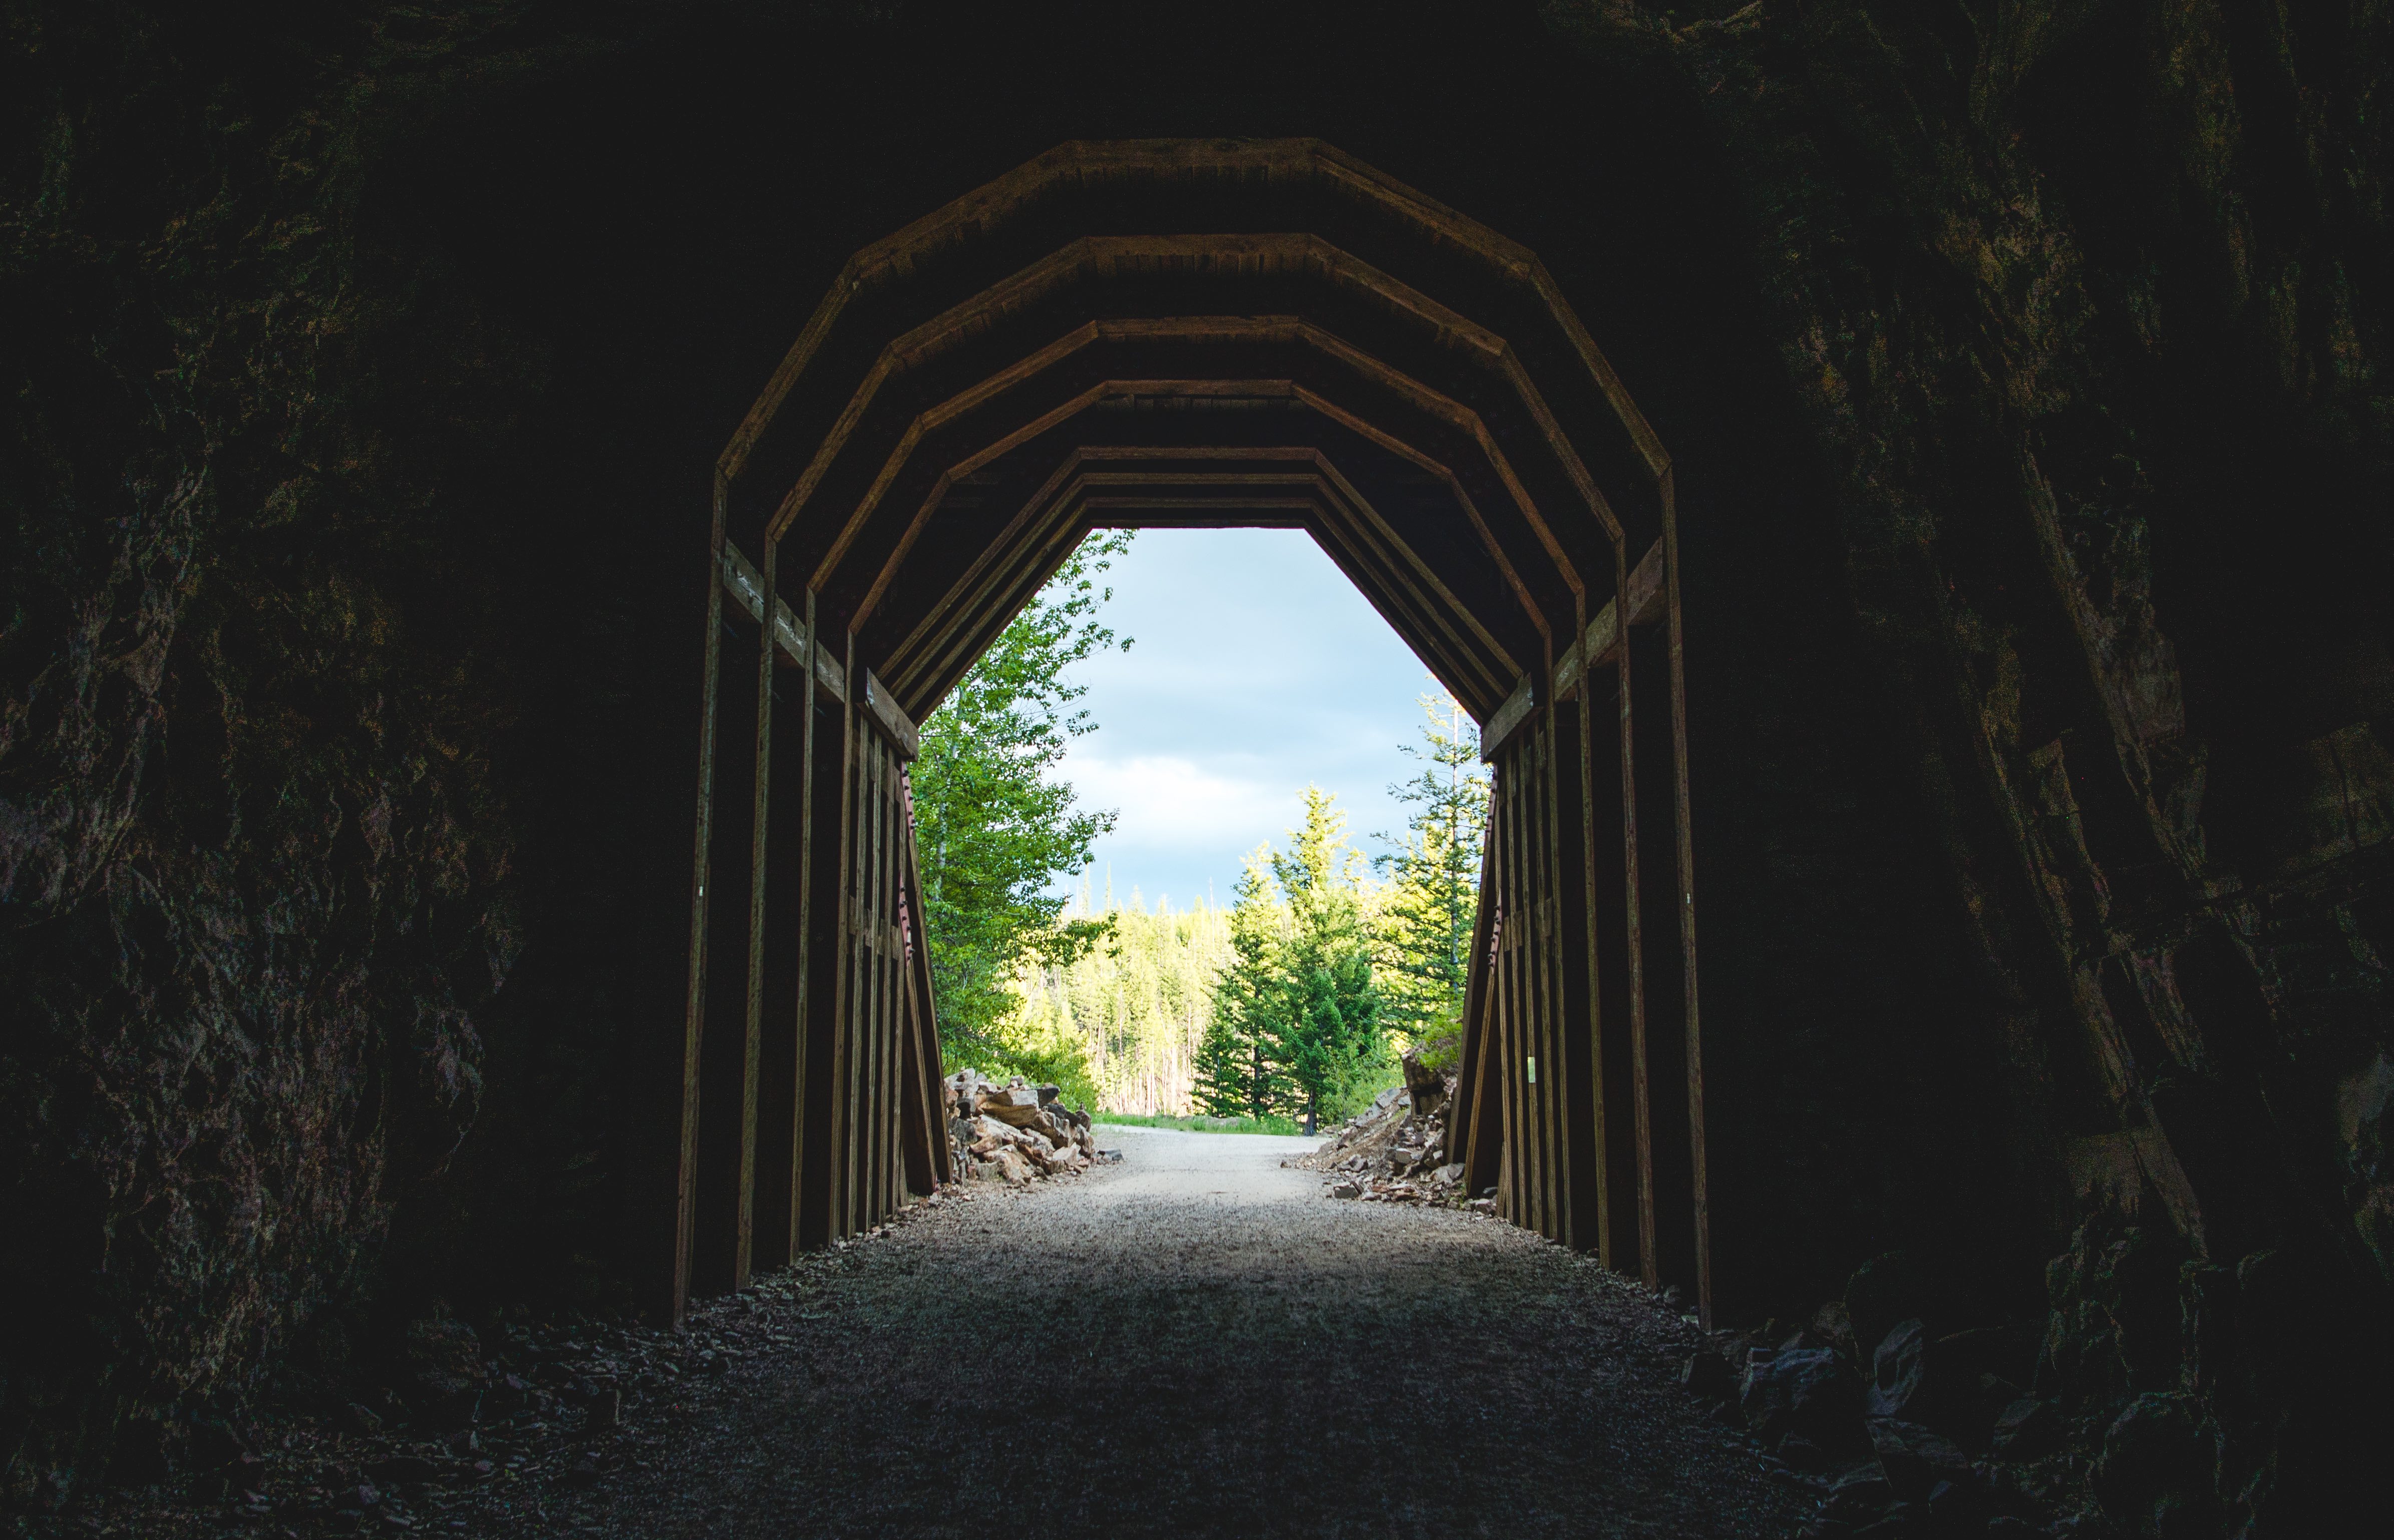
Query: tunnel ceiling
(1198, 332)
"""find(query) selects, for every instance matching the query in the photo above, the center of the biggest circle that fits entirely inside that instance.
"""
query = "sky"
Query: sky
(1256, 668)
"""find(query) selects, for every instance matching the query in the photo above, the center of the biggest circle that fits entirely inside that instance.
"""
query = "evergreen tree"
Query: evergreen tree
(1236, 1075)
(1425, 923)
(1325, 1035)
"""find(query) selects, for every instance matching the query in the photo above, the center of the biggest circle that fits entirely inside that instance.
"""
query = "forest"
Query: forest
(1292, 1002)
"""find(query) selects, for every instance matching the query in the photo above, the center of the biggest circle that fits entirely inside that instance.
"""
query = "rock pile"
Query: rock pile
(1395, 1151)
(1017, 1132)
(1898, 1428)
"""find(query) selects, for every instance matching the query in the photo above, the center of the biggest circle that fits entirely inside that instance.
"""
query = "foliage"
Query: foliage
(995, 827)
(1234, 1073)
(1424, 922)
(1139, 1005)
(1328, 1040)
(1270, 1123)
(1296, 1016)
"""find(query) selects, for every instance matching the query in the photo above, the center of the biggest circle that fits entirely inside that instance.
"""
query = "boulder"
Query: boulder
(1882, 1292)
(1426, 1086)
(1810, 1391)
(1346, 1190)
(1899, 1384)
(1018, 1105)
(1916, 1459)
(1833, 1326)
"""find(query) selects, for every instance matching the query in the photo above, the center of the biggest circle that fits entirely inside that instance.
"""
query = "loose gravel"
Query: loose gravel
(1195, 1342)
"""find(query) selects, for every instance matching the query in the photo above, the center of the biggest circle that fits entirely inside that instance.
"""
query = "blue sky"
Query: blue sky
(1256, 668)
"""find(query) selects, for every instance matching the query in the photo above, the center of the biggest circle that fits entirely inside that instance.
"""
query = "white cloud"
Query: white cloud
(1170, 802)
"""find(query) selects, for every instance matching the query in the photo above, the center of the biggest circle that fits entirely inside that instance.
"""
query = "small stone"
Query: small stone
(1346, 1190)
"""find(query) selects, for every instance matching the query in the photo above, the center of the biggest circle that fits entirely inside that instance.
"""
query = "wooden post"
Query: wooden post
(673, 1300)
(753, 1003)
(842, 1219)
(1639, 1104)
(1559, 1079)
(1473, 1086)
(826, 882)
(782, 1066)
(1596, 1204)
(1686, 867)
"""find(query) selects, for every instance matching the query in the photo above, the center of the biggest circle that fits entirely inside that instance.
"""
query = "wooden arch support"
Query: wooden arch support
(1101, 338)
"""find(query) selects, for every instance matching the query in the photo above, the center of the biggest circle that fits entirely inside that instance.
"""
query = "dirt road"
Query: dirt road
(1194, 1343)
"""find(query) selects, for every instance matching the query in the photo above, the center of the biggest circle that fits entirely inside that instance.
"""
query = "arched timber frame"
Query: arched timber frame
(1185, 333)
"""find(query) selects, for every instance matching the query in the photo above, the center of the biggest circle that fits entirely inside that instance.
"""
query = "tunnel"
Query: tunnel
(1217, 374)
(1901, 489)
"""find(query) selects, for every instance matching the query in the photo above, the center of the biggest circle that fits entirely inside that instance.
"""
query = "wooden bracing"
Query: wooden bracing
(976, 394)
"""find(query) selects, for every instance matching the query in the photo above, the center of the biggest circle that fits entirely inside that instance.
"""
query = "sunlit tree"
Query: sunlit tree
(1424, 921)
(995, 827)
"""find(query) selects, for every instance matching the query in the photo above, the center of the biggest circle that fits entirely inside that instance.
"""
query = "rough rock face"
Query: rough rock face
(2024, 368)
(2071, 295)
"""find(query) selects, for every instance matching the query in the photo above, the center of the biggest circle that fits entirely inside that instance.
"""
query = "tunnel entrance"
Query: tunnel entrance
(1187, 333)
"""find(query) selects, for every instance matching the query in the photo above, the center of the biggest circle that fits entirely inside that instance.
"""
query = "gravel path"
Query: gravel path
(1195, 1342)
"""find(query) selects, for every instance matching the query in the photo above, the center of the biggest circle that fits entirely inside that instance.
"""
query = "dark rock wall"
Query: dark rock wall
(2087, 307)
(364, 367)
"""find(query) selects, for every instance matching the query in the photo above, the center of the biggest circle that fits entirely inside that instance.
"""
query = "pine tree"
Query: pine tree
(1326, 1037)
(1236, 1075)
(1425, 923)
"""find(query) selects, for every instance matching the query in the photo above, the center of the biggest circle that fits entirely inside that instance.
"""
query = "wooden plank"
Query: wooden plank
(1518, 709)
(1600, 1129)
(894, 722)
(872, 997)
(1510, 1197)
(943, 1159)
(1648, 602)
(1520, 1134)
(747, 586)
(1538, 749)
(894, 983)
(808, 675)
(1097, 165)
(1475, 636)
(1686, 852)
(1535, 973)
(1471, 1085)
(1437, 629)
(753, 1014)
(1649, 1263)
(842, 1096)
(672, 1302)
(892, 974)
(1441, 414)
